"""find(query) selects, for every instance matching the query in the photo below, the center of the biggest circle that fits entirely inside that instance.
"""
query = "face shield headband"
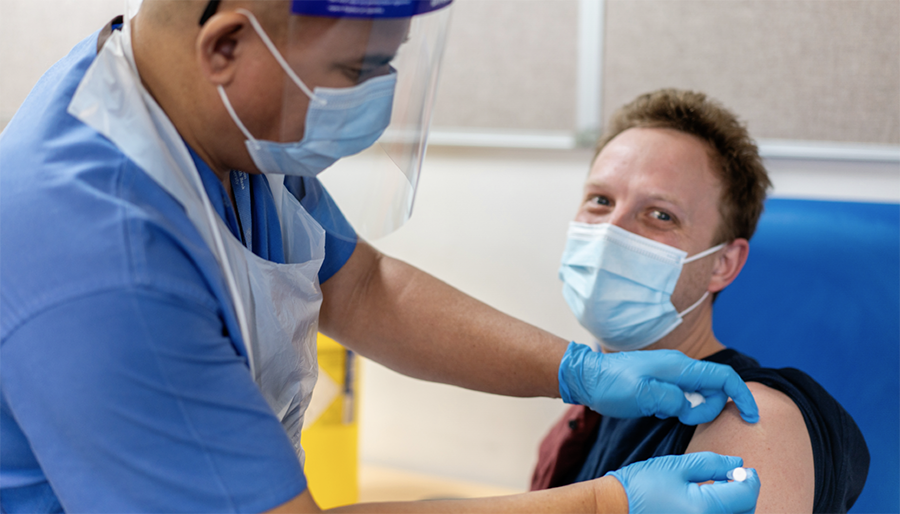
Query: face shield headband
(351, 8)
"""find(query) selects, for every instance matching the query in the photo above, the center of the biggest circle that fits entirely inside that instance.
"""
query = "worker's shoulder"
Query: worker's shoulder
(80, 217)
(83, 219)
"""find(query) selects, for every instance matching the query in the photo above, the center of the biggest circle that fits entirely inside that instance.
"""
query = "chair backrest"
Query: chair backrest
(821, 293)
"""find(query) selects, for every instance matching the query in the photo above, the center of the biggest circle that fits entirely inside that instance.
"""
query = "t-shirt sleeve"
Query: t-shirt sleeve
(134, 400)
(340, 238)
(840, 454)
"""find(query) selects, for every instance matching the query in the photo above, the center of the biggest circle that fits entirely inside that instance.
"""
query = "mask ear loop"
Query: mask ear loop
(692, 307)
(694, 258)
(704, 253)
(274, 50)
(235, 117)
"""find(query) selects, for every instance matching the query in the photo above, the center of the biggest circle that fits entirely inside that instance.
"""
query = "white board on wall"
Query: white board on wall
(509, 64)
(816, 70)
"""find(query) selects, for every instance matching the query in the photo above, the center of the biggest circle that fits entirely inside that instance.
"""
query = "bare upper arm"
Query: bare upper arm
(778, 447)
(343, 292)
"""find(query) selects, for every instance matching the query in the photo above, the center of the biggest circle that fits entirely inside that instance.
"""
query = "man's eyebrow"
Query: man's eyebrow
(594, 183)
(656, 196)
(666, 198)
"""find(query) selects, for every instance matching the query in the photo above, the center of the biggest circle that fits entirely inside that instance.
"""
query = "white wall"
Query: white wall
(492, 223)
(34, 34)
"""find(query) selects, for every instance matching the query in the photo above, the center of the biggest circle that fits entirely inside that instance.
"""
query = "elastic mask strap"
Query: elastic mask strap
(692, 307)
(694, 258)
(704, 253)
(274, 50)
(234, 115)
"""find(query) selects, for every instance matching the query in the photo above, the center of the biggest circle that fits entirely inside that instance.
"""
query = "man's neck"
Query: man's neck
(701, 346)
(694, 337)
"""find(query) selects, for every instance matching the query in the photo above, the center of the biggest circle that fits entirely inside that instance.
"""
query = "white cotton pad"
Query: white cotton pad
(737, 474)
(695, 399)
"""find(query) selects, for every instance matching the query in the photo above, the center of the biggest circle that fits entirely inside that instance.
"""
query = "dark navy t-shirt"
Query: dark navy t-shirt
(839, 451)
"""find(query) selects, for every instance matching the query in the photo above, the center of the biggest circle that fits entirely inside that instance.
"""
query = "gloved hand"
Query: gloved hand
(667, 484)
(651, 383)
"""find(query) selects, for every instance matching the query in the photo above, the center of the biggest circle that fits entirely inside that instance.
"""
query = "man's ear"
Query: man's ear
(219, 44)
(729, 264)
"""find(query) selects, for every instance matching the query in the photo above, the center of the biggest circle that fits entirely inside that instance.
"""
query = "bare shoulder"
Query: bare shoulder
(778, 446)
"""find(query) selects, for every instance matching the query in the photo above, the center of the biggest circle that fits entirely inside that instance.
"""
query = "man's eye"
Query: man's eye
(600, 200)
(662, 216)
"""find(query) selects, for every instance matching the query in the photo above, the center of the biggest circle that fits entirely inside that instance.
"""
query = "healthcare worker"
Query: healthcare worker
(159, 309)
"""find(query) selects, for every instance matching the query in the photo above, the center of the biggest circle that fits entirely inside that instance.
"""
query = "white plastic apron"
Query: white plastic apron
(277, 305)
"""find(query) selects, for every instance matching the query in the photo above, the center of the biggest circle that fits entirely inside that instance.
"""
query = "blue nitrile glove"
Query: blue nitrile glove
(668, 484)
(651, 383)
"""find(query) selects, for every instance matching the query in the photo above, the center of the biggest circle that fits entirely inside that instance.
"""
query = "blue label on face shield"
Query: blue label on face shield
(366, 8)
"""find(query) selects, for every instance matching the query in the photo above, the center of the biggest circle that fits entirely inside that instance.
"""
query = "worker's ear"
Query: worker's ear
(220, 44)
(728, 265)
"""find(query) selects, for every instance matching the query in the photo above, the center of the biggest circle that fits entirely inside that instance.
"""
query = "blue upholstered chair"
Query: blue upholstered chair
(821, 292)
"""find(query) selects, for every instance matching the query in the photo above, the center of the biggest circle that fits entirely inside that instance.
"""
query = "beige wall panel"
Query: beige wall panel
(793, 69)
(509, 64)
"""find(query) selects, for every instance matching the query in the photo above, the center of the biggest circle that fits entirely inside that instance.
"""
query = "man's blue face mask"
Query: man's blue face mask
(619, 285)
(339, 121)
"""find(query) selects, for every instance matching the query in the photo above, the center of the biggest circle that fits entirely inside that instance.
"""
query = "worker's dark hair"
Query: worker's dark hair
(734, 154)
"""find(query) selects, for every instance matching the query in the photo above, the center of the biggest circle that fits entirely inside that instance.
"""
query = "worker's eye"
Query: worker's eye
(356, 73)
(366, 67)
(352, 73)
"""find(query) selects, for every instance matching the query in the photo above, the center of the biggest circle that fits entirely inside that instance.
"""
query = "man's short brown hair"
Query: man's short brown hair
(734, 154)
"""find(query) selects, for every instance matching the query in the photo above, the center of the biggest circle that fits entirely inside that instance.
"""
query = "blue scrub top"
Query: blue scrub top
(123, 381)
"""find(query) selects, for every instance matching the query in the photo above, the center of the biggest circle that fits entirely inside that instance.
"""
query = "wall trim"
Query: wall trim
(549, 140)
(828, 151)
(564, 140)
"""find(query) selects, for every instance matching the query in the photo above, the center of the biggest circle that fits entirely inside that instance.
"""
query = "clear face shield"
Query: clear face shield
(358, 88)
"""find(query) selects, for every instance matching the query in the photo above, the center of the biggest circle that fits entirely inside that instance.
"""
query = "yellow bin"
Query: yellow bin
(331, 440)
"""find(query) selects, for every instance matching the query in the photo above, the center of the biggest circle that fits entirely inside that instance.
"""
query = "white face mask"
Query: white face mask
(619, 285)
(339, 121)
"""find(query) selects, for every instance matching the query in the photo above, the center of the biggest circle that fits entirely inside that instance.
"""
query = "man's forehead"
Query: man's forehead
(661, 164)
(656, 151)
